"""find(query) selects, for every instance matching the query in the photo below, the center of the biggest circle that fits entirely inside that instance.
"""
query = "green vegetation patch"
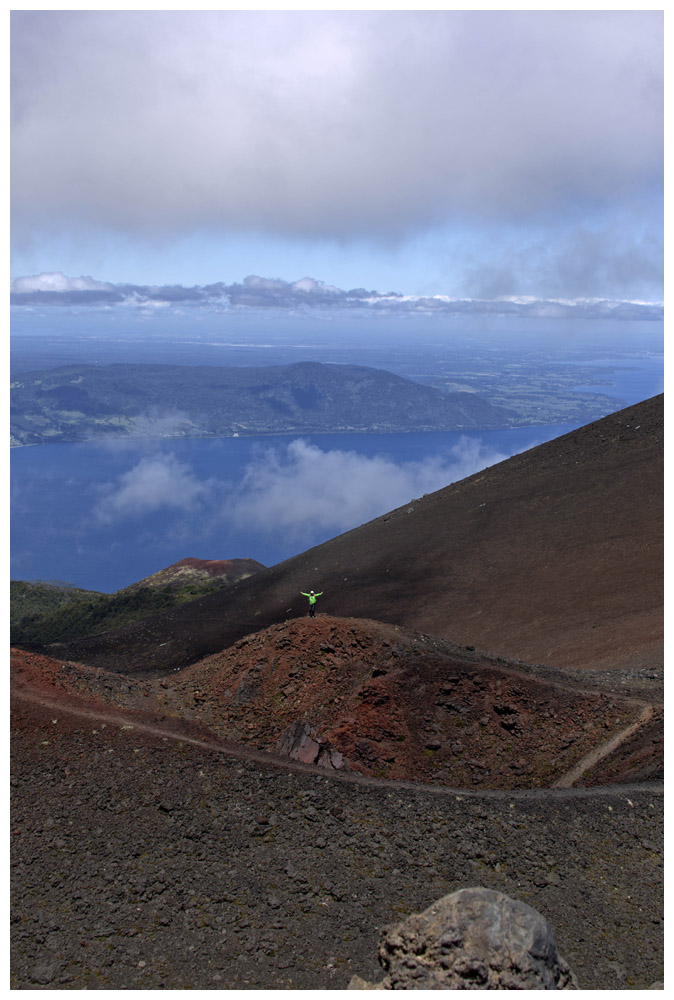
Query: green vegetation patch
(44, 613)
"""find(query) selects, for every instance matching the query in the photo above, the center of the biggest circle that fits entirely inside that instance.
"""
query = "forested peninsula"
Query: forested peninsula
(84, 402)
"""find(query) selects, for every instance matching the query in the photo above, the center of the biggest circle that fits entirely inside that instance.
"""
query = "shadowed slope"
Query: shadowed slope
(553, 556)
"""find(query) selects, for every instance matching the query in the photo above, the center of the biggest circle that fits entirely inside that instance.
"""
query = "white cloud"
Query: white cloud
(299, 492)
(303, 491)
(55, 281)
(155, 483)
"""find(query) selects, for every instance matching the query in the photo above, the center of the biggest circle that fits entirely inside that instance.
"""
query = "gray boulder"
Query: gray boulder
(474, 939)
(297, 744)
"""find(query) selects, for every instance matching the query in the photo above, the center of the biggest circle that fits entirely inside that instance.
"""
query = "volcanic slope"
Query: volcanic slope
(553, 557)
(199, 571)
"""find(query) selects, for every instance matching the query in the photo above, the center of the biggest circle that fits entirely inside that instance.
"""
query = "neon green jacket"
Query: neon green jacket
(312, 597)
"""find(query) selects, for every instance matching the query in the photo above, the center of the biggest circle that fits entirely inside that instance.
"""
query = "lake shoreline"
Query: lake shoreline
(345, 432)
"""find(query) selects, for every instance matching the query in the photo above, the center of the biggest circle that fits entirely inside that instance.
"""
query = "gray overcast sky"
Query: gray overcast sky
(477, 153)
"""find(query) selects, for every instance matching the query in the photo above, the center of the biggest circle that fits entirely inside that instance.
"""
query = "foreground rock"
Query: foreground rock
(471, 939)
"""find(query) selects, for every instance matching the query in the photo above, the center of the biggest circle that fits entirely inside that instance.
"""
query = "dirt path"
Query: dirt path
(126, 722)
(130, 723)
(591, 759)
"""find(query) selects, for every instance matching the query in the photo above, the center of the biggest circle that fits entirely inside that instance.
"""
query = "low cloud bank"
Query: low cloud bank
(49, 289)
(298, 490)
(155, 483)
(303, 491)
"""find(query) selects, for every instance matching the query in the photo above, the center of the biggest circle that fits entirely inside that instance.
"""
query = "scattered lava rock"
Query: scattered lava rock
(151, 848)
(297, 744)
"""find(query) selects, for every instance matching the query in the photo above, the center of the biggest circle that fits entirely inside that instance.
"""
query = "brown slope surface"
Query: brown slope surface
(146, 856)
(553, 556)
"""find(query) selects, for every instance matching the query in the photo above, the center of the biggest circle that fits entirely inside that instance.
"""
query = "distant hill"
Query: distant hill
(79, 402)
(42, 613)
(34, 600)
(553, 556)
(191, 573)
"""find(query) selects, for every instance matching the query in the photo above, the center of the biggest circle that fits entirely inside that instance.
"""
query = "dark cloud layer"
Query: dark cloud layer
(307, 293)
(622, 259)
(333, 125)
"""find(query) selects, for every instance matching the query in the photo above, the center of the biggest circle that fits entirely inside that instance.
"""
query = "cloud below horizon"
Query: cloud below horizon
(155, 483)
(299, 490)
(304, 491)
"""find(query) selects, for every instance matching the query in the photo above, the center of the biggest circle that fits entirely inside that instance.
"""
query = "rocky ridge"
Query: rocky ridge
(192, 570)
(390, 703)
(397, 704)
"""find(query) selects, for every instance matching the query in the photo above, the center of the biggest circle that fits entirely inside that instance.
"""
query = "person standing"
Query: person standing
(312, 601)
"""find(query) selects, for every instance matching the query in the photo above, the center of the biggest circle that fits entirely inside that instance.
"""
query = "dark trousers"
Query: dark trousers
(312, 610)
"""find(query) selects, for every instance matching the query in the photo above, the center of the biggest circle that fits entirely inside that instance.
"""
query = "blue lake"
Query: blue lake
(630, 379)
(104, 516)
